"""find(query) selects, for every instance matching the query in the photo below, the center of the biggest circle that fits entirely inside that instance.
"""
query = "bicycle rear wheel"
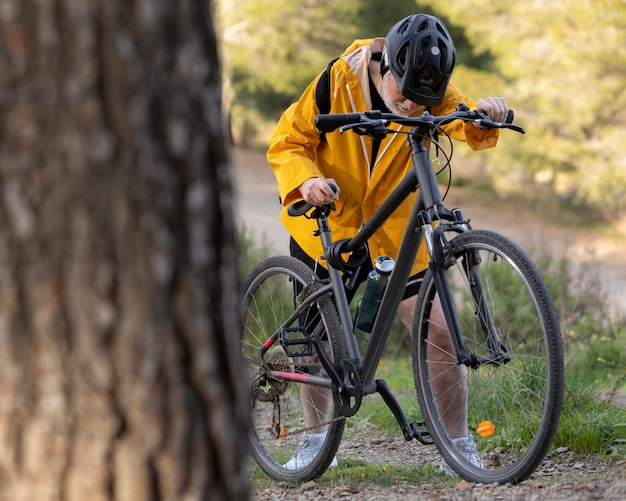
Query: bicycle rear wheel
(277, 408)
(513, 382)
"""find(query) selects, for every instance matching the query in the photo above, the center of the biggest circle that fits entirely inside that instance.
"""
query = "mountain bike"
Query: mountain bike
(504, 337)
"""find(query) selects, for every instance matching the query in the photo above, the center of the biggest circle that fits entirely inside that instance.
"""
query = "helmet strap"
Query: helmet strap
(384, 67)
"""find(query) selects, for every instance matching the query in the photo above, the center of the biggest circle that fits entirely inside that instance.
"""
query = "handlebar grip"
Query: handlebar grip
(510, 117)
(301, 207)
(331, 122)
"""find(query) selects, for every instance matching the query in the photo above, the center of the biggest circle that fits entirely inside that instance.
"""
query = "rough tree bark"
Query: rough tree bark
(118, 271)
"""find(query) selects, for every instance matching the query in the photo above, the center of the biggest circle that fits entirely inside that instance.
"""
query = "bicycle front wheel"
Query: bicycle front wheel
(506, 395)
(288, 416)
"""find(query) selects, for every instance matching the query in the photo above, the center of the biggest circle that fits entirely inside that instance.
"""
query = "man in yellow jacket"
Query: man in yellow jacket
(406, 73)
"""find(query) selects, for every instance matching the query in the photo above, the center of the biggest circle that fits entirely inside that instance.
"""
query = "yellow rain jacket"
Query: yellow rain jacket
(296, 154)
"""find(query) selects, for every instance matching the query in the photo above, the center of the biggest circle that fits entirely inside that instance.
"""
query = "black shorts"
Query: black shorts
(411, 289)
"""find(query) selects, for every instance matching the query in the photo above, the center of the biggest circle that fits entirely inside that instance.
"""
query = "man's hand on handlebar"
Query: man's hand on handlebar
(495, 108)
(318, 191)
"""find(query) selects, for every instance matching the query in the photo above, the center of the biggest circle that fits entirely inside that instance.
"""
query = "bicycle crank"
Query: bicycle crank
(348, 395)
(347, 387)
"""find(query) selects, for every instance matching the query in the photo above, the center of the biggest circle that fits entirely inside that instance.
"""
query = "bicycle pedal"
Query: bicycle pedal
(296, 346)
(422, 435)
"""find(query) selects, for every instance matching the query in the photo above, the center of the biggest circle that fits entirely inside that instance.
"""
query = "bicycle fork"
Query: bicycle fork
(442, 258)
(499, 353)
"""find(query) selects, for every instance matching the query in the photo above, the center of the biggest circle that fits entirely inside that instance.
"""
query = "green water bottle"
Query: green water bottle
(374, 289)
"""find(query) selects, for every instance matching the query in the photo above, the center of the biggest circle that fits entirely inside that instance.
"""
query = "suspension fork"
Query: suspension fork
(442, 258)
(471, 267)
(438, 251)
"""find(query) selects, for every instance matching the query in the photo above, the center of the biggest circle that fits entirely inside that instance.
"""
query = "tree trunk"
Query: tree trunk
(119, 339)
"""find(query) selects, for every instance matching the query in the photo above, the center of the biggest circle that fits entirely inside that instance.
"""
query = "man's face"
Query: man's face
(393, 98)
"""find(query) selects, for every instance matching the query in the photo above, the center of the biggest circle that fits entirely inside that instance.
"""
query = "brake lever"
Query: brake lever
(490, 124)
(485, 121)
(374, 128)
(366, 124)
(356, 128)
(515, 128)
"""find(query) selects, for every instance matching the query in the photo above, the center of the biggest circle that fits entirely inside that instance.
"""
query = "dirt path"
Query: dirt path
(561, 477)
(258, 209)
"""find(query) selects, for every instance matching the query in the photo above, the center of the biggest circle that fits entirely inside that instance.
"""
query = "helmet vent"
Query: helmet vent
(403, 58)
(403, 29)
(441, 29)
(428, 77)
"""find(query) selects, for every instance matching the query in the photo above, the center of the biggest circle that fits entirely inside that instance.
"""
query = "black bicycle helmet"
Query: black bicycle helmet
(421, 55)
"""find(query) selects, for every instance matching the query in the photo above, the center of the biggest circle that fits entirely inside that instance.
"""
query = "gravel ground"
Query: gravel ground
(561, 476)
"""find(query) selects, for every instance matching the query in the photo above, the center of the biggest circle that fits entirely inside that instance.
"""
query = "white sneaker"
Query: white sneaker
(467, 448)
(305, 453)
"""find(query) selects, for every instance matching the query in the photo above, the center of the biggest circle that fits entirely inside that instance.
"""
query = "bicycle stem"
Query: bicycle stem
(427, 181)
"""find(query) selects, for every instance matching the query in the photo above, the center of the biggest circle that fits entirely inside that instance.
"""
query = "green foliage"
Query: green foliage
(353, 473)
(565, 77)
(358, 474)
(596, 349)
(250, 254)
(282, 46)
(589, 425)
(375, 18)
(271, 54)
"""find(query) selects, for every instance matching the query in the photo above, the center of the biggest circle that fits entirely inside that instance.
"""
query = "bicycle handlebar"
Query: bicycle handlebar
(374, 120)
(331, 122)
(374, 123)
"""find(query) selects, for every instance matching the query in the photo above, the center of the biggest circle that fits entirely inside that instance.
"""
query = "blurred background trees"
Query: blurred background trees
(561, 65)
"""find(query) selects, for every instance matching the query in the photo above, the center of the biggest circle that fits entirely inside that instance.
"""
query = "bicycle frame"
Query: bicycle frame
(428, 207)
(355, 378)
(502, 303)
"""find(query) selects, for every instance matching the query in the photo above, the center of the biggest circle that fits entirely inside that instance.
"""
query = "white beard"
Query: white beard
(393, 106)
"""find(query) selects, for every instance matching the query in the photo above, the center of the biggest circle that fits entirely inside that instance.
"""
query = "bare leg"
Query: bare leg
(447, 377)
(315, 402)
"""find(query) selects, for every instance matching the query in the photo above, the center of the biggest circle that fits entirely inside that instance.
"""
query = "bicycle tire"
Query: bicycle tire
(522, 397)
(277, 425)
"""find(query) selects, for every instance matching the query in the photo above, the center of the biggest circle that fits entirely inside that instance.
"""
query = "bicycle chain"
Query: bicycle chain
(301, 430)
